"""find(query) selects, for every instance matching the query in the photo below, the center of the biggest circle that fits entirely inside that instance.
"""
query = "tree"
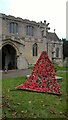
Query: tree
(65, 48)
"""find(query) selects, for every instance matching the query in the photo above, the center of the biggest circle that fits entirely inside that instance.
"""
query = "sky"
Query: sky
(53, 11)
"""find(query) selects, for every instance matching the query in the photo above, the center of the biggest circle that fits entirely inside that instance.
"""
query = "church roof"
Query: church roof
(52, 36)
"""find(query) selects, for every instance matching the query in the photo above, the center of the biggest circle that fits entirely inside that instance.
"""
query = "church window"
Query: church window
(13, 28)
(16, 28)
(42, 32)
(57, 52)
(29, 30)
(35, 49)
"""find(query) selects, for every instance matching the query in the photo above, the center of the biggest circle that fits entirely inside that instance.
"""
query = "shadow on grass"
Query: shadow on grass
(26, 90)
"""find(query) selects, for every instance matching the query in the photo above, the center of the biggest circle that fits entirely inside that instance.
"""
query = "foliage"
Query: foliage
(31, 67)
(65, 50)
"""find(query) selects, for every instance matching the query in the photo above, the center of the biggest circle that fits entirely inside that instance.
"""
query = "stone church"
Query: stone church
(22, 41)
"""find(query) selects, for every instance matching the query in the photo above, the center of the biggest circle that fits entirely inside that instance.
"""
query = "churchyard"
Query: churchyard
(26, 104)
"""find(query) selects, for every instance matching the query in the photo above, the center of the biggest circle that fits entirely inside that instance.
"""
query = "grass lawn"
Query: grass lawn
(21, 104)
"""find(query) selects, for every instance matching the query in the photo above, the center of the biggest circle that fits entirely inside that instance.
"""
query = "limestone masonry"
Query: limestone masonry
(22, 41)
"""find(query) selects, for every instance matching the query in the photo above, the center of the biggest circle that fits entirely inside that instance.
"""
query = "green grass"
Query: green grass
(21, 104)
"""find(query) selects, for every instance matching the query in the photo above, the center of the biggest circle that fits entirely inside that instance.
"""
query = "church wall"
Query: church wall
(21, 27)
(21, 60)
(5, 27)
(25, 57)
(59, 59)
(29, 52)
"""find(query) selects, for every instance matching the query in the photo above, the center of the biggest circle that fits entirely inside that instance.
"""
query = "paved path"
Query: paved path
(16, 73)
(19, 73)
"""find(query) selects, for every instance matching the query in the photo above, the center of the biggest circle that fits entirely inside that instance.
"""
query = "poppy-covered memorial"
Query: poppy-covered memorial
(42, 78)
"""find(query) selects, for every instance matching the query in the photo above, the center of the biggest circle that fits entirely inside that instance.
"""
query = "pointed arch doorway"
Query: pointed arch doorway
(9, 57)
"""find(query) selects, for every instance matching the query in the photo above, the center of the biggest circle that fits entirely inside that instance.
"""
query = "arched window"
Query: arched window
(57, 52)
(13, 27)
(35, 49)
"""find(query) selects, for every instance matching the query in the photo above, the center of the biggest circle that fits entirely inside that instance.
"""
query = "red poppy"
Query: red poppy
(44, 80)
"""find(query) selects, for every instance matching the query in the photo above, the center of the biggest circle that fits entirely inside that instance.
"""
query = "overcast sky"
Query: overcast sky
(53, 11)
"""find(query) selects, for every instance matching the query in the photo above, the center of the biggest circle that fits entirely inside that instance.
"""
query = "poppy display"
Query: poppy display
(42, 78)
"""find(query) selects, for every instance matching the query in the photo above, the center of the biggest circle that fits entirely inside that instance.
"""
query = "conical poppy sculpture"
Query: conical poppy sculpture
(42, 78)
